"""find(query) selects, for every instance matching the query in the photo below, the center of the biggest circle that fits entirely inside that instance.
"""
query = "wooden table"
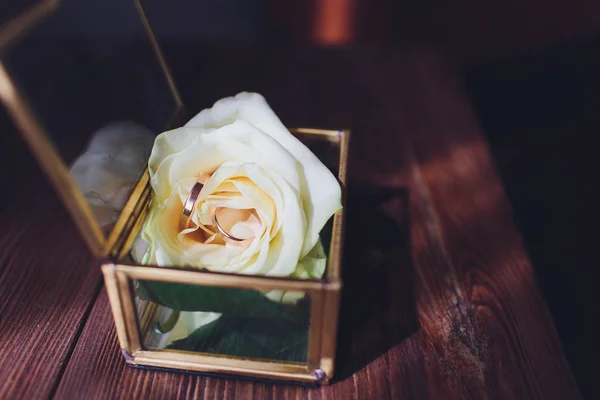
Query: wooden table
(440, 299)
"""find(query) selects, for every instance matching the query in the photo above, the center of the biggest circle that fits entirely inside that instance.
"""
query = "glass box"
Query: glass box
(62, 93)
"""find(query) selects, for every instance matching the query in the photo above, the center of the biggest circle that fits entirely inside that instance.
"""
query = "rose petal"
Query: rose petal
(313, 265)
(264, 204)
(254, 163)
(320, 191)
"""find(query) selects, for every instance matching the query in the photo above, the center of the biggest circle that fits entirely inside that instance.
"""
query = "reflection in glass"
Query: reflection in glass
(107, 169)
(223, 321)
(101, 96)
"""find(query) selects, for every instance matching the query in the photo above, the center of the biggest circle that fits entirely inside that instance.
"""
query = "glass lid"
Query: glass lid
(89, 100)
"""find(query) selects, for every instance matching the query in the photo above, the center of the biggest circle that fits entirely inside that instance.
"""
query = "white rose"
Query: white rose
(273, 190)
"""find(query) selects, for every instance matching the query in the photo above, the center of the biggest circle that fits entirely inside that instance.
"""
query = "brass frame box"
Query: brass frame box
(132, 321)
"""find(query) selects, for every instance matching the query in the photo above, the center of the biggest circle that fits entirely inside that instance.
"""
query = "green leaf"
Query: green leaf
(263, 338)
(234, 302)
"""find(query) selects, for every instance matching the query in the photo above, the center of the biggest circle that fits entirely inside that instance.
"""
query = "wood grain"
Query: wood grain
(480, 315)
(47, 284)
(444, 303)
(440, 300)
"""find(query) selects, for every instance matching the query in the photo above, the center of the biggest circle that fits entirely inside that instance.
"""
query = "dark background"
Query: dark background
(530, 67)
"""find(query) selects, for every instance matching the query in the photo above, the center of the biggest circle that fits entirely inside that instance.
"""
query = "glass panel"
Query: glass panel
(325, 147)
(101, 95)
(230, 322)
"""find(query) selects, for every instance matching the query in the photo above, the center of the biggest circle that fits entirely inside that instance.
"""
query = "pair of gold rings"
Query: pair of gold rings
(185, 220)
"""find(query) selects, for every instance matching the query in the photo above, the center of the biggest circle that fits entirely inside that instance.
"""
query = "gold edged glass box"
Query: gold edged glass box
(90, 109)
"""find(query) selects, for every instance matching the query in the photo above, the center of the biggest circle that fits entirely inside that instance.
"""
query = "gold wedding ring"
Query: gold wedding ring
(185, 219)
(223, 231)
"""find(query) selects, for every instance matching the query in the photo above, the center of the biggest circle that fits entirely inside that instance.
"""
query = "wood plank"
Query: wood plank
(47, 286)
(97, 371)
(479, 308)
(440, 300)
